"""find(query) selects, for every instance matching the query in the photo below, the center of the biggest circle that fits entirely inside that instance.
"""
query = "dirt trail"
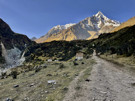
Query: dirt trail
(108, 83)
(72, 92)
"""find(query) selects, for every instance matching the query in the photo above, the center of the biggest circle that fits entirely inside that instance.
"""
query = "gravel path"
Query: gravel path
(108, 83)
(71, 94)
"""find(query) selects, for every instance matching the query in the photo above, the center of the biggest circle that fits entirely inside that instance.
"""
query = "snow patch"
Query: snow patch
(61, 27)
(102, 19)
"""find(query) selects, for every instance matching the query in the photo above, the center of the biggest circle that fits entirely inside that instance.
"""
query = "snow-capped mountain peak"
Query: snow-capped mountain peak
(69, 25)
(100, 19)
(54, 30)
(89, 28)
(61, 27)
(100, 15)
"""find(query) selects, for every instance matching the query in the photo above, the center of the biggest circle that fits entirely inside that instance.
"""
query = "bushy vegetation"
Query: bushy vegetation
(121, 42)
(62, 50)
(14, 74)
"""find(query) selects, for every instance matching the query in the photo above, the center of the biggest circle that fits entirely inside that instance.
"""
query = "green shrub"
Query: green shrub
(74, 63)
(14, 74)
(61, 66)
(3, 75)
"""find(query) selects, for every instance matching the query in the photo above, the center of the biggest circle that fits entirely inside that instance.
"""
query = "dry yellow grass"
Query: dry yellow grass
(93, 35)
(127, 62)
(130, 22)
(33, 86)
(61, 36)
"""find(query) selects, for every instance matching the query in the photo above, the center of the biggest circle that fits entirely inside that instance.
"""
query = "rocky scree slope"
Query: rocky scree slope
(11, 39)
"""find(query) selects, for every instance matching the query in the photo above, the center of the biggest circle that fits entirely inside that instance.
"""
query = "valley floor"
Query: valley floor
(92, 79)
(107, 82)
(34, 86)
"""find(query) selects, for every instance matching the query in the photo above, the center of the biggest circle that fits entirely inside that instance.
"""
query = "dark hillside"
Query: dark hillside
(121, 42)
(11, 39)
(62, 50)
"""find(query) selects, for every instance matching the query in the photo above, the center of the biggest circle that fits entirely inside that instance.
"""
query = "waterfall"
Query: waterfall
(22, 59)
(4, 53)
(23, 54)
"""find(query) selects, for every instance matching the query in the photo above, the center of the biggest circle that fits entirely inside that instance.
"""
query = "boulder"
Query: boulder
(44, 65)
(31, 85)
(8, 99)
(46, 92)
(49, 75)
(82, 62)
(88, 80)
(51, 81)
(15, 86)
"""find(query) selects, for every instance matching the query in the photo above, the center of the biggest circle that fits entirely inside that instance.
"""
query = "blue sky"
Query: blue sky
(36, 17)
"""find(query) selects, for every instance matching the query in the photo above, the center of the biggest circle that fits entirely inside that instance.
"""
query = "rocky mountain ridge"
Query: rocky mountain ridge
(89, 28)
(54, 30)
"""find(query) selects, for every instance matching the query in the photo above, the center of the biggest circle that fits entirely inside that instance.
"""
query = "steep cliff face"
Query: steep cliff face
(88, 28)
(11, 40)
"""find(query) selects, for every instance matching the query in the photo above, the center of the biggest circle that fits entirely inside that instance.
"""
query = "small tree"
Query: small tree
(14, 74)
(37, 69)
(75, 63)
(61, 66)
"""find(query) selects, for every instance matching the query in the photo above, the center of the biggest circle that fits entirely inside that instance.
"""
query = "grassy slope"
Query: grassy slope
(125, 62)
(37, 92)
(128, 23)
